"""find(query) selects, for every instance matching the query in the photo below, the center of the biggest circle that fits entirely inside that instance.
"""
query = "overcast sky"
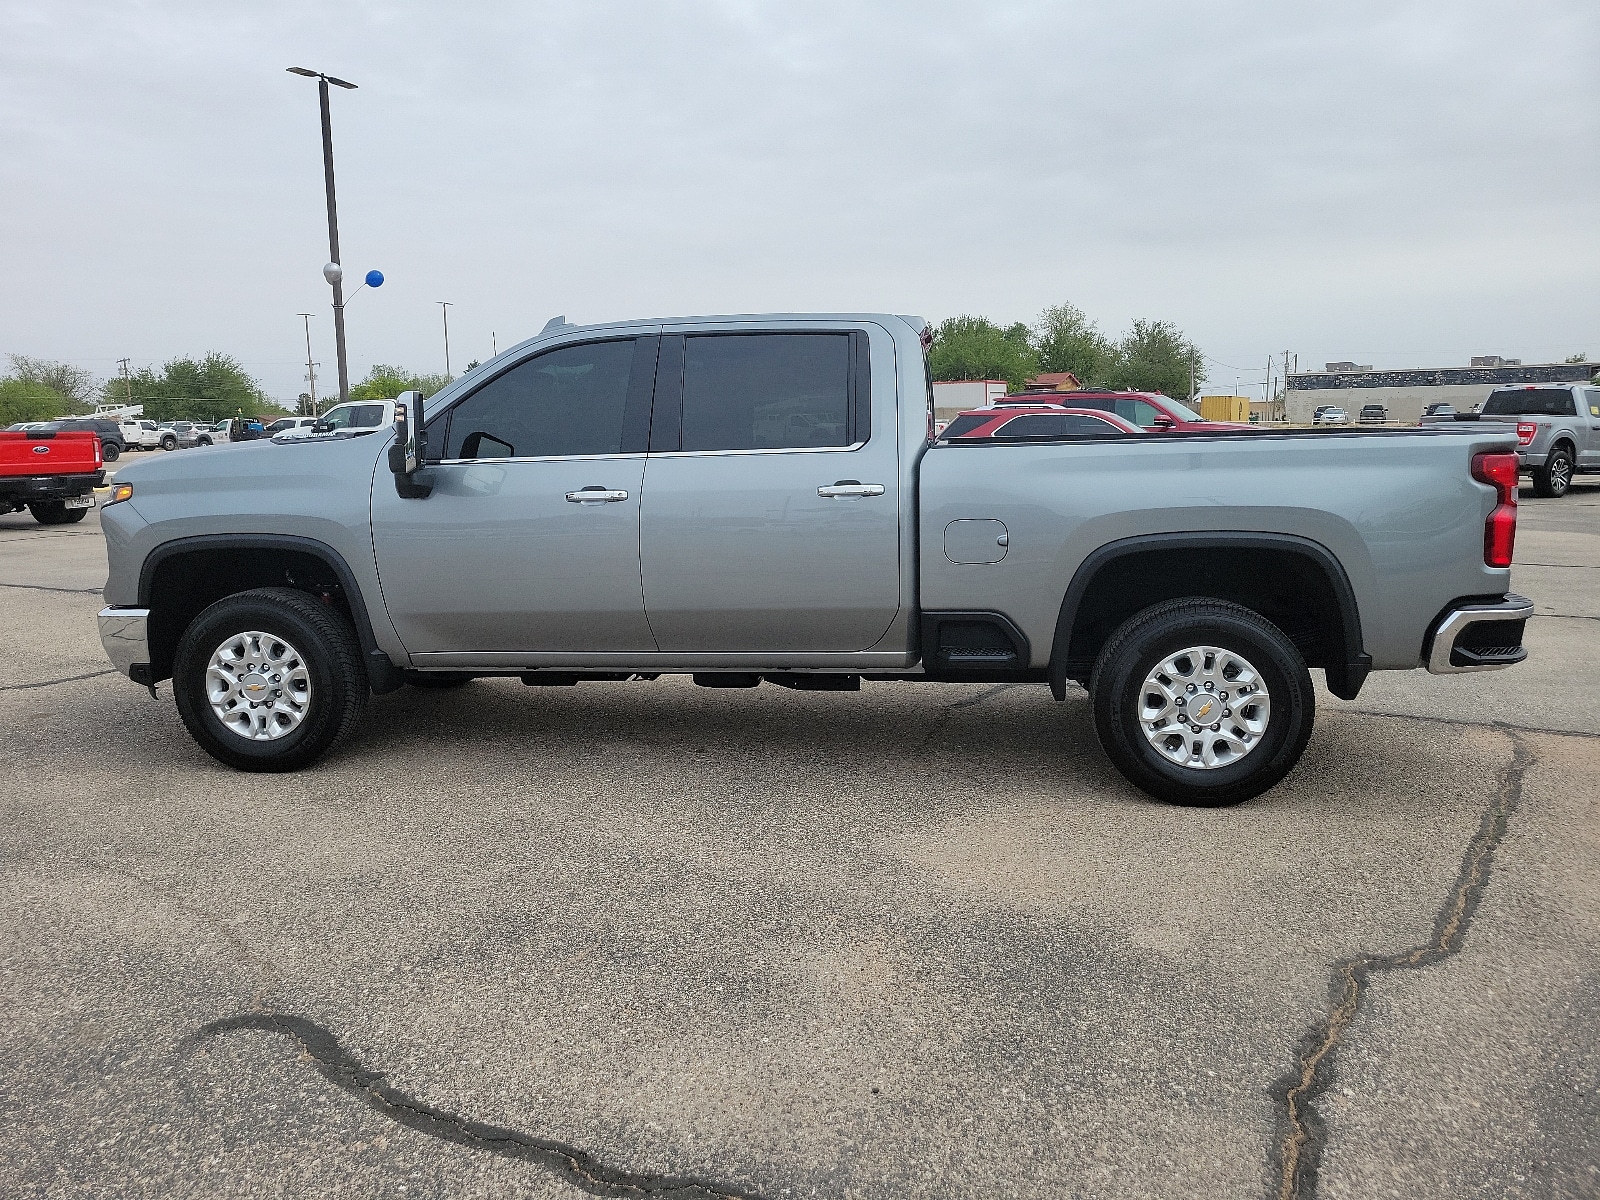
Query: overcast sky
(1401, 184)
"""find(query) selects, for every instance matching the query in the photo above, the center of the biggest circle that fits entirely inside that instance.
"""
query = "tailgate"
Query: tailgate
(75, 452)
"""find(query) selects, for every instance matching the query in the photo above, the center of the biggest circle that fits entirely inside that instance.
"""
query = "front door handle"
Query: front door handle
(850, 489)
(596, 495)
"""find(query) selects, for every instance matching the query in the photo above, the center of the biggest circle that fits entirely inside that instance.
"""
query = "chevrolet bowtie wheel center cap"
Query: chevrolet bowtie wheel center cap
(258, 686)
(1204, 707)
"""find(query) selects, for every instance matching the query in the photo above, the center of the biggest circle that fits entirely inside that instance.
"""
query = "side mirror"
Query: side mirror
(410, 447)
(1162, 423)
(321, 427)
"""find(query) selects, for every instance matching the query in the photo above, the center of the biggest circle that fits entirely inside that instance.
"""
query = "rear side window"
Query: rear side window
(1532, 402)
(1055, 425)
(766, 391)
(568, 401)
(964, 425)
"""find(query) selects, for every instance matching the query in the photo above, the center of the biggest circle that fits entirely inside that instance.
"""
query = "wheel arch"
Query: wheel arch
(180, 578)
(1298, 584)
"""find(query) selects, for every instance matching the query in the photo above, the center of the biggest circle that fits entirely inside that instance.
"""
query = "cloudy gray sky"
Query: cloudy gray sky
(1398, 183)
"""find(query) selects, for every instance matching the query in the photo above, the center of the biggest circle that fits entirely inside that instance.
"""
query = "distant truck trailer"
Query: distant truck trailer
(1226, 408)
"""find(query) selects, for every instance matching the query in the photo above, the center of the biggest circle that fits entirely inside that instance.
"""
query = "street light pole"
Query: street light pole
(444, 307)
(334, 276)
(311, 367)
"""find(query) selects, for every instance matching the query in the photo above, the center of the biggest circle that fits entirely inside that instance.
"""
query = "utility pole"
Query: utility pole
(494, 349)
(127, 384)
(311, 367)
(333, 272)
(444, 307)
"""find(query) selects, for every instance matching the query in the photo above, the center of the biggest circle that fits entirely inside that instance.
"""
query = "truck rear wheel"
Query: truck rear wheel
(110, 451)
(55, 512)
(1201, 702)
(1554, 478)
(269, 680)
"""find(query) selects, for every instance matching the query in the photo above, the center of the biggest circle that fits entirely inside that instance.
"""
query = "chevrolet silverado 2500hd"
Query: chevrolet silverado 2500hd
(760, 499)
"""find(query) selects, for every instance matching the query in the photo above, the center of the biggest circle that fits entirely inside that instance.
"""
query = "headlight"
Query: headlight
(119, 493)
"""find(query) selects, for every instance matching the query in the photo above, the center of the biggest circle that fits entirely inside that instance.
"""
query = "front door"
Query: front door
(772, 503)
(529, 543)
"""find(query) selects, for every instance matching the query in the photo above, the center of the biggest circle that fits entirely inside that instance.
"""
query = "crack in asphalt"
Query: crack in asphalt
(39, 587)
(1562, 566)
(1302, 1131)
(335, 1064)
(943, 718)
(1497, 726)
(28, 687)
(1566, 616)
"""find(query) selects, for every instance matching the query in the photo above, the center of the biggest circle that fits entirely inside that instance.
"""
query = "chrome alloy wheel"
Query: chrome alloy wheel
(258, 686)
(1204, 707)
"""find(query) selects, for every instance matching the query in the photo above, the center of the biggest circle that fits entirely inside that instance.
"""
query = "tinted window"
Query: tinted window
(963, 425)
(1546, 402)
(1055, 425)
(766, 391)
(354, 416)
(568, 401)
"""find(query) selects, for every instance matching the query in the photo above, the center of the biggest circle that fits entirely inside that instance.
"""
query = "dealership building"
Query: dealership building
(1405, 393)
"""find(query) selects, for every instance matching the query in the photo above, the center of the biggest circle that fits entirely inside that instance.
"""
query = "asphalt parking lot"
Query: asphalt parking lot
(651, 939)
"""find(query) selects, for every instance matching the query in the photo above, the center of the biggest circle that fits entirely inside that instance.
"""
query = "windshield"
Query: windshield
(1184, 413)
(1545, 402)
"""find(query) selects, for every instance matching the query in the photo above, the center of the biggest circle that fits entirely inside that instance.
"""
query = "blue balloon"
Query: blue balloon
(374, 278)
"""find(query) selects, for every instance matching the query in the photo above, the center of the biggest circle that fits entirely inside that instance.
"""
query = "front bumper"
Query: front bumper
(125, 634)
(1480, 636)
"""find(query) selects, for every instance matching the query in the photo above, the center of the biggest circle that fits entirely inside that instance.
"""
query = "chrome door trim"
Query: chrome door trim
(765, 450)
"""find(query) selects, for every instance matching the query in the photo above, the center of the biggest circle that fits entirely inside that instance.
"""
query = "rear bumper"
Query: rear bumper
(1479, 636)
(33, 488)
(125, 634)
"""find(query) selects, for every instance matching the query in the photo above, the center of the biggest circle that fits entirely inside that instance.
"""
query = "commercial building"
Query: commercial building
(1405, 393)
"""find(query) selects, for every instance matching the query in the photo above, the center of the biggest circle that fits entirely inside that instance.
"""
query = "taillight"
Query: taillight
(1525, 432)
(1499, 471)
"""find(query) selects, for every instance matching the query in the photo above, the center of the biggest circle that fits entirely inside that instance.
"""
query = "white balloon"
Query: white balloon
(332, 272)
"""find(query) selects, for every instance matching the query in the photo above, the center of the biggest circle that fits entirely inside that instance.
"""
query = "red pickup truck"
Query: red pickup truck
(51, 473)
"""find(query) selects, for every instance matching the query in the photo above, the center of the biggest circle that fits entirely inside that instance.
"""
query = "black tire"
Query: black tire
(169, 442)
(329, 650)
(1554, 478)
(202, 441)
(56, 512)
(1141, 643)
(437, 679)
(110, 451)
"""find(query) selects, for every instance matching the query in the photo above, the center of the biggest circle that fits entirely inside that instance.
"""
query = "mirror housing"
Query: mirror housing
(410, 447)
(1163, 423)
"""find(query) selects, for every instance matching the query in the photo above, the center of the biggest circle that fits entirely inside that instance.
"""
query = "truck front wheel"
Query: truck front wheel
(1201, 702)
(269, 680)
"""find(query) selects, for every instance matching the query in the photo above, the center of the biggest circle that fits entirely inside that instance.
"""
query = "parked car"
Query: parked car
(1036, 421)
(1373, 414)
(285, 425)
(211, 434)
(1330, 414)
(1150, 411)
(352, 416)
(613, 502)
(142, 434)
(109, 433)
(1558, 430)
(1438, 410)
(50, 472)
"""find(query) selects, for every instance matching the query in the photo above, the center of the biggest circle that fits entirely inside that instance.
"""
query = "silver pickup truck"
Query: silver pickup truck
(1558, 430)
(762, 499)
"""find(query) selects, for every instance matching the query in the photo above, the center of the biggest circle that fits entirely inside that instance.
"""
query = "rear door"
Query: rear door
(771, 508)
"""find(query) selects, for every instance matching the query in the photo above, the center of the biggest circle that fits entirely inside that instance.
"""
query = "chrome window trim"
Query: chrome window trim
(456, 462)
(764, 450)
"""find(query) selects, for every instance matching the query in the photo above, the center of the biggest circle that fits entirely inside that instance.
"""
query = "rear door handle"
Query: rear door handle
(850, 488)
(596, 495)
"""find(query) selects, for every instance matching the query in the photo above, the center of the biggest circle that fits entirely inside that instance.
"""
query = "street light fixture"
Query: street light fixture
(333, 272)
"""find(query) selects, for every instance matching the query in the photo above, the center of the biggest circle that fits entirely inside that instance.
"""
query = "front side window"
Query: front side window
(568, 401)
(351, 416)
(766, 391)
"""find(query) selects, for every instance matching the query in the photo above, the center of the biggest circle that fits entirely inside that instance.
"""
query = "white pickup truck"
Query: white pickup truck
(141, 434)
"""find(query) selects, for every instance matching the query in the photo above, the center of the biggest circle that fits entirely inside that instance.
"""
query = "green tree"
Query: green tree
(1580, 357)
(969, 347)
(385, 382)
(74, 383)
(29, 400)
(1154, 356)
(193, 389)
(1067, 340)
